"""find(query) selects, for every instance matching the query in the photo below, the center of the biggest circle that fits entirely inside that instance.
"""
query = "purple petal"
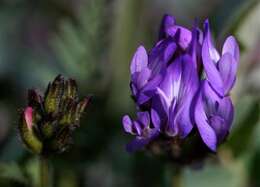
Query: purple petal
(227, 68)
(183, 120)
(219, 126)
(137, 127)
(169, 51)
(141, 78)
(226, 111)
(167, 21)
(170, 86)
(133, 88)
(213, 111)
(159, 114)
(189, 86)
(137, 144)
(231, 46)
(213, 53)
(165, 101)
(207, 133)
(177, 89)
(211, 70)
(172, 128)
(210, 98)
(140, 142)
(149, 89)
(142, 99)
(190, 79)
(127, 124)
(194, 46)
(160, 55)
(139, 60)
(156, 120)
(184, 36)
(144, 118)
(209, 93)
(151, 86)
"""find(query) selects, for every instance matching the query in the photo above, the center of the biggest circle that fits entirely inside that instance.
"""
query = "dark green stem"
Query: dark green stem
(173, 176)
(177, 177)
(44, 172)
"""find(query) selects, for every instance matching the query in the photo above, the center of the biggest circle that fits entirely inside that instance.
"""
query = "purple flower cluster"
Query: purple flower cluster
(182, 85)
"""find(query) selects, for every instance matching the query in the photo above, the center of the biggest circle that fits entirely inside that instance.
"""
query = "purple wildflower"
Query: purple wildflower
(172, 94)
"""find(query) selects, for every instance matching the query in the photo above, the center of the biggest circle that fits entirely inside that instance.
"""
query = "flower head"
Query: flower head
(181, 88)
(47, 122)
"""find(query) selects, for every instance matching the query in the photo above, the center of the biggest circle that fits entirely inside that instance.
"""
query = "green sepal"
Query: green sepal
(69, 114)
(70, 90)
(53, 95)
(29, 137)
(62, 140)
(48, 129)
(81, 108)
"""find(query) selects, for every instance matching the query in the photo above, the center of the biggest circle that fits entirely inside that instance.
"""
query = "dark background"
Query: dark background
(92, 41)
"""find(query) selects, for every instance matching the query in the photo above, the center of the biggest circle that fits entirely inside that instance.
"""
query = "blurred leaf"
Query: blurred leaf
(255, 169)
(254, 163)
(230, 174)
(67, 178)
(248, 30)
(80, 46)
(125, 34)
(32, 170)
(13, 149)
(246, 118)
(172, 176)
(231, 14)
(12, 171)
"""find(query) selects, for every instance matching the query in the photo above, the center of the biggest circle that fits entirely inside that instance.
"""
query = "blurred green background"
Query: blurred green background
(92, 41)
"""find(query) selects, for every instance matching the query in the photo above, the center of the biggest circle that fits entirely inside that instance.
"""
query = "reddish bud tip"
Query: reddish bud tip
(28, 115)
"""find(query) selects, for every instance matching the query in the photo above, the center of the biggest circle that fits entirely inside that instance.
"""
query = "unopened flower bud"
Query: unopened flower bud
(47, 124)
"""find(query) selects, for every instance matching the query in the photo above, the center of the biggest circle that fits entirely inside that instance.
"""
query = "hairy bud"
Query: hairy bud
(47, 122)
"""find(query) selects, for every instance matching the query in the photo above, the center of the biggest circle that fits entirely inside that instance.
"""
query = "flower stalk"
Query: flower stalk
(173, 175)
(44, 172)
(177, 177)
